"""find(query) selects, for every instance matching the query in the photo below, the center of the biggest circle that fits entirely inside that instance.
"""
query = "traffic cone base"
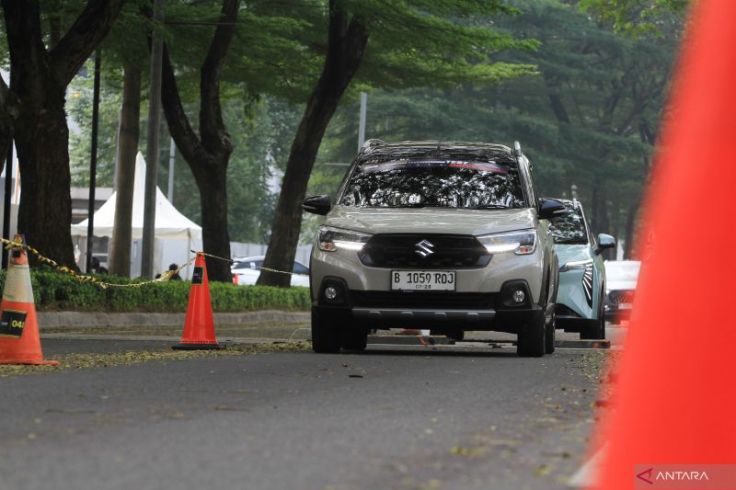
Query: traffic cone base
(199, 325)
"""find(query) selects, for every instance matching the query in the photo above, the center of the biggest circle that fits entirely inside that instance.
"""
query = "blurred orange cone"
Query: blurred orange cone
(675, 398)
(19, 339)
(199, 325)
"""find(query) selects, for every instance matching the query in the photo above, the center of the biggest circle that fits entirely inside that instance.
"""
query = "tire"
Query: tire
(549, 336)
(325, 335)
(531, 340)
(597, 331)
(354, 339)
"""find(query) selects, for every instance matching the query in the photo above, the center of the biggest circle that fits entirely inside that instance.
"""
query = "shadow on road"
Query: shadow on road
(455, 352)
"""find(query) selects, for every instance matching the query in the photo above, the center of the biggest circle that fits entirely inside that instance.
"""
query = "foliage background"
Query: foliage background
(611, 84)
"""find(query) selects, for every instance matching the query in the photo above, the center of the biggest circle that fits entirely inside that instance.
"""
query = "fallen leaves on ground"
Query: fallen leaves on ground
(96, 360)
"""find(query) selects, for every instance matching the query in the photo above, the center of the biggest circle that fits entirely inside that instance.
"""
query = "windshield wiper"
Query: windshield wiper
(490, 206)
(571, 241)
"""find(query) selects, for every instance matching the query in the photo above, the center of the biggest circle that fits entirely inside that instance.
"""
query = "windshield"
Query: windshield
(569, 227)
(434, 183)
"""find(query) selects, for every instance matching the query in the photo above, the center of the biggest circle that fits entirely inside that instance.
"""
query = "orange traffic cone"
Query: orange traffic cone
(675, 398)
(19, 339)
(199, 325)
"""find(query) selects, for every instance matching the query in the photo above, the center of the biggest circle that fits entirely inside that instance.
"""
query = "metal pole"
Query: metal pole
(154, 123)
(361, 125)
(93, 162)
(8, 202)
(172, 162)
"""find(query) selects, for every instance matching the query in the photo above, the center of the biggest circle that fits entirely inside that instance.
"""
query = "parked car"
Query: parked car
(434, 235)
(623, 276)
(247, 269)
(582, 288)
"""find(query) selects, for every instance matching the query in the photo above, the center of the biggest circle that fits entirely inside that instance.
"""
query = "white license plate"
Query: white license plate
(423, 280)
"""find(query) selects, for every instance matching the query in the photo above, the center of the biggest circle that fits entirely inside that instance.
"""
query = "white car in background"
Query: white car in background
(247, 269)
(621, 279)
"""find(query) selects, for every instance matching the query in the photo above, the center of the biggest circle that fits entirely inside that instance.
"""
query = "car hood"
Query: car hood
(431, 220)
(619, 277)
(620, 285)
(572, 253)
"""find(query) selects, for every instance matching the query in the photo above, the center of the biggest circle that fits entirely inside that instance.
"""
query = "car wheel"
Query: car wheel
(325, 335)
(355, 339)
(531, 339)
(596, 331)
(549, 336)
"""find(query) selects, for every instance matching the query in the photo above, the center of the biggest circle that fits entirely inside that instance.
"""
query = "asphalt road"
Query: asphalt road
(404, 418)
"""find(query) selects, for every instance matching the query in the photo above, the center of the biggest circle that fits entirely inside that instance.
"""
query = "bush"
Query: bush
(55, 291)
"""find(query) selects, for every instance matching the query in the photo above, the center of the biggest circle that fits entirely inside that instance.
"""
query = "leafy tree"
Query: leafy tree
(265, 31)
(41, 67)
(605, 93)
(590, 118)
(412, 43)
(635, 16)
(79, 110)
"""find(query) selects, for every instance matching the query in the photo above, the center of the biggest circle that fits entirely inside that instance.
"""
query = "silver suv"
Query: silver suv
(449, 237)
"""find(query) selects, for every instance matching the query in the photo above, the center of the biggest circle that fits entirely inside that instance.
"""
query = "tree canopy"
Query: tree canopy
(581, 83)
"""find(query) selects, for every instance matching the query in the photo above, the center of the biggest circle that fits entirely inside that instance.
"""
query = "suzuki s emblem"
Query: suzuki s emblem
(424, 248)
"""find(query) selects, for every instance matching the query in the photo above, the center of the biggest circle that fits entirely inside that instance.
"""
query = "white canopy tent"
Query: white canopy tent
(175, 233)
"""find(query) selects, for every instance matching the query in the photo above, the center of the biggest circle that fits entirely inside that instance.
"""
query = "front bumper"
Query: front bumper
(572, 296)
(416, 310)
(503, 267)
(575, 323)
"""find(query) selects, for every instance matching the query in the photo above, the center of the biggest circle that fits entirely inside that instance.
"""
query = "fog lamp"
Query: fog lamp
(519, 296)
(330, 293)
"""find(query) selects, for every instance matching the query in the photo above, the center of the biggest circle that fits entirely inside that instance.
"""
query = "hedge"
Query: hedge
(55, 291)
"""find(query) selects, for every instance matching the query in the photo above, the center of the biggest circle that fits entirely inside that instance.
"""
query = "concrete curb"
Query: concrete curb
(77, 319)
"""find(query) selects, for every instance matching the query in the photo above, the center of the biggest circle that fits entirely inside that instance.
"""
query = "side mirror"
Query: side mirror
(605, 241)
(550, 208)
(317, 204)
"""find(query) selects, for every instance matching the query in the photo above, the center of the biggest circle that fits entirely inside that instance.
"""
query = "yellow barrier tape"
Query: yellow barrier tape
(85, 278)
(231, 261)
(275, 270)
(212, 256)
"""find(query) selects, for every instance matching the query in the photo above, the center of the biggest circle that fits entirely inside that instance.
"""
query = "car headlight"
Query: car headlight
(576, 264)
(521, 242)
(332, 239)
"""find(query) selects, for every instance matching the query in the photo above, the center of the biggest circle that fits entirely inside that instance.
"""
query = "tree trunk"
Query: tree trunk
(42, 141)
(347, 40)
(39, 78)
(128, 133)
(288, 216)
(208, 153)
(8, 114)
(215, 236)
